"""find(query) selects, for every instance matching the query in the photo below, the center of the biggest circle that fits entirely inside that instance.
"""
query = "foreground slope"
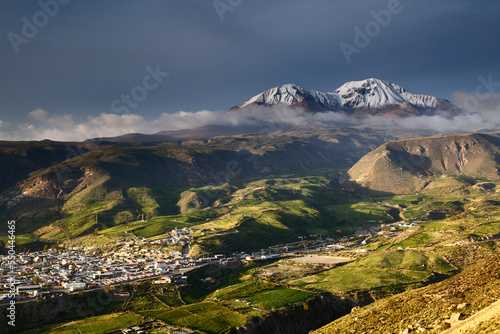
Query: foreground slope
(430, 309)
(406, 166)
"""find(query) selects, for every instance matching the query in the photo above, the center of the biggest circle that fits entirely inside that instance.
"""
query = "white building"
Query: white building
(74, 286)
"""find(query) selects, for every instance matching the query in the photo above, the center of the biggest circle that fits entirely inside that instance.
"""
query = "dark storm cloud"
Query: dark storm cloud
(91, 52)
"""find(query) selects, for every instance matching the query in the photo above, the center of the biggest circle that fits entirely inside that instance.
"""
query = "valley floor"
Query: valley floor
(384, 263)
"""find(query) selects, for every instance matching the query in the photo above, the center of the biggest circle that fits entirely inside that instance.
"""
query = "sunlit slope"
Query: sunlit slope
(405, 166)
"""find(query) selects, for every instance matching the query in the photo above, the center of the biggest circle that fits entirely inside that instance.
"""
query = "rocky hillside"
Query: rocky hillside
(18, 159)
(406, 166)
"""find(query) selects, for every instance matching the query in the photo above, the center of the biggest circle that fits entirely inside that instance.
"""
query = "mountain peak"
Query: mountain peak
(287, 94)
(295, 96)
(370, 96)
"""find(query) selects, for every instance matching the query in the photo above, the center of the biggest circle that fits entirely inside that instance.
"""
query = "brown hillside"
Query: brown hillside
(406, 165)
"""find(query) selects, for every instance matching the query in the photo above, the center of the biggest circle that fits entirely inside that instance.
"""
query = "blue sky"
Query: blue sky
(87, 54)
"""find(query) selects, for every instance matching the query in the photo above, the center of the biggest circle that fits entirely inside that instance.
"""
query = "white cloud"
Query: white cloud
(44, 117)
(63, 128)
(38, 115)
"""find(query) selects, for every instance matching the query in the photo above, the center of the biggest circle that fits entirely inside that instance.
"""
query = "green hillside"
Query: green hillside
(62, 196)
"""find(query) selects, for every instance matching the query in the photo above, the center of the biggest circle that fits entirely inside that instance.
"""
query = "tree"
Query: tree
(36, 280)
(107, 288)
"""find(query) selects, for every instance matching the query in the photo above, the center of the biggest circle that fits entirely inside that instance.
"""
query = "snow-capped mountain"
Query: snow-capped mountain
(294, 95)
(357, 98)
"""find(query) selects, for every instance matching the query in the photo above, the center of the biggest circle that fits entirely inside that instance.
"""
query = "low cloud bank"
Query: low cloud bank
(44, 125)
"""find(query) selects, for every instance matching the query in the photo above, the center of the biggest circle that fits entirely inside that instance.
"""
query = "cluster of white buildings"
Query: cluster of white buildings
(77, 268)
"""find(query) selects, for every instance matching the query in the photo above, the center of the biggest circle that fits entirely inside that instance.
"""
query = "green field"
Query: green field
(152, 227)
(144, 302)
(382, 268)
(359, 212)
(278, 297)
(404, 260)
(205, 316)
(418, 240)
(169, 298)
(348, 279)
(238, 297)
(99, 324)
(20, 239)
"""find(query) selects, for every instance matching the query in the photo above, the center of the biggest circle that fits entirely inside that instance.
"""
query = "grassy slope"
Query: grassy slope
(253, 213)
(380, 269)
(427, 307)
(349, 279)
(94, 325)
(279, 210)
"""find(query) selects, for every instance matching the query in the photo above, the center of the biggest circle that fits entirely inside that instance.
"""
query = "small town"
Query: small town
(51, 273)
